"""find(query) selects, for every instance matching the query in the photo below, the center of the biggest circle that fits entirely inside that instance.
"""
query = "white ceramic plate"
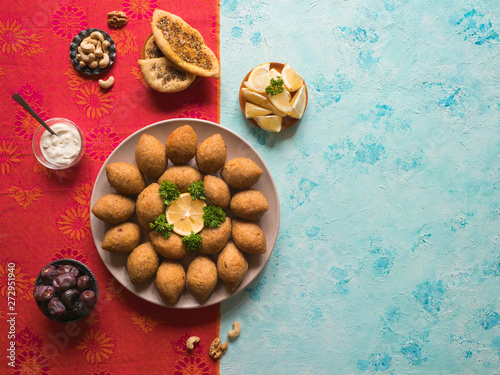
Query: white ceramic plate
(236, 146)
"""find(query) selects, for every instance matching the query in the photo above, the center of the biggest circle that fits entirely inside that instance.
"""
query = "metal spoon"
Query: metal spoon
(18, 98)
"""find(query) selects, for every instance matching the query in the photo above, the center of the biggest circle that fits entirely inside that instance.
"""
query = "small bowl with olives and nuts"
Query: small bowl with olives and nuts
(92, 51)
(66, 290)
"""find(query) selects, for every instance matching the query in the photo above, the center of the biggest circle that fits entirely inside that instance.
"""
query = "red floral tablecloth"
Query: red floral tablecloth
(45, 214)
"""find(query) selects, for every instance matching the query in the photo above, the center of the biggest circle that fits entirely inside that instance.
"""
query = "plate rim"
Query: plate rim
(94, 219)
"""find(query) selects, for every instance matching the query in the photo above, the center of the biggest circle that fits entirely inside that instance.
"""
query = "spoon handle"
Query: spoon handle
(18, 98)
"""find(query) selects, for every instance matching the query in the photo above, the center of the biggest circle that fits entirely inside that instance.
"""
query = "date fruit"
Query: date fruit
(70, 298)
(88, 298)
(69, 268)
(48, 273)
(64, 281)
(83, 282)
(57, 308)
(44, 293)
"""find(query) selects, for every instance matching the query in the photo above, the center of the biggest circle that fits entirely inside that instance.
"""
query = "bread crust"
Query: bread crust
(208, 68)
(154, 71)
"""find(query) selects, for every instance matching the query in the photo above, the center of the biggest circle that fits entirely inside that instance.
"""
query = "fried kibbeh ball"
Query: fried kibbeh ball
(171, 248)
(202, 277)
(248, 237)
(232, 266)
(170, 280)
(217, 192)
(150, 156)
(211, 154)
(182, 176)
(125, 178)
(241, 173)
(122, 238)
(142, 263)
(214, 239)
(114, 208)
(181, 144)
(149, 205)
(249, 204)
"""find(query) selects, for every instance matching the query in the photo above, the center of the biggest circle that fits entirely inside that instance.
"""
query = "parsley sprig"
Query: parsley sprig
(160, 225)
(168, 192)
(275, 87)
(213, 216)
(197, 190)
(193, 241)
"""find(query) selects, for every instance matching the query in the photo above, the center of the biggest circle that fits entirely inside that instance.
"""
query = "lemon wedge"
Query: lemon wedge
(253, 96)
(273, 73)
(259, 78)
(253, 110)
(268, 105)
(291, 79)
(298, 103)
(270, 123)
(186, 215)
(281, 101)
(260, 100)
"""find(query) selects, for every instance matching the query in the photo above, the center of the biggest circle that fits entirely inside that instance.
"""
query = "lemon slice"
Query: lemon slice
(281, 101)
(298, 103)
(260, 100)
(253, 96)
(186, 215)
(253, 110)
(259, 78)
(270, 123)
(258, 71)
(291, 79)
(273, 73)
(268, 105)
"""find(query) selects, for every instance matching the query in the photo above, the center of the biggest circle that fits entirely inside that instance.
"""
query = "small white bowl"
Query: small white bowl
(37, 149)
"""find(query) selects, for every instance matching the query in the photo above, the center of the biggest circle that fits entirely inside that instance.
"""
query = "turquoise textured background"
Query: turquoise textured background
(388, 256)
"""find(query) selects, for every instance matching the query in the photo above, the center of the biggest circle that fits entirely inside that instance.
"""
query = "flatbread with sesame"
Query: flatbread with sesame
(184, 45)
(164, 76)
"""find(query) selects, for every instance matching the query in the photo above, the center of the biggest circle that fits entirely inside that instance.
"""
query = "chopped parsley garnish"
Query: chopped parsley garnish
(197, 190)
(193, 241)
(160, 225)
(168, 192)
(275, 87)
(213, 216)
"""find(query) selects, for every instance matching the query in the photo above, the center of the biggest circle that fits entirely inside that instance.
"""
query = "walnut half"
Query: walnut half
(217, 349)
(117, 19)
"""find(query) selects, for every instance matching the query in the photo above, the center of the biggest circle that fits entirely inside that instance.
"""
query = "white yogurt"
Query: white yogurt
(63, 148)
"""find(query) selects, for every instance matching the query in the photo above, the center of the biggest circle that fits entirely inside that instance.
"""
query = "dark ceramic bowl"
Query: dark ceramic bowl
(73, 50)
(84, 270)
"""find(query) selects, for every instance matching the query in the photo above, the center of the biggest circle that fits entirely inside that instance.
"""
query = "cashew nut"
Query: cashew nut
(98, 50)
(91, 40)
(108, 83)
(105, 46)
(191, 341)
(104, 61)
(94, 64)
(97, 35)
(235, 332)
(87, 47)
(87, 58)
